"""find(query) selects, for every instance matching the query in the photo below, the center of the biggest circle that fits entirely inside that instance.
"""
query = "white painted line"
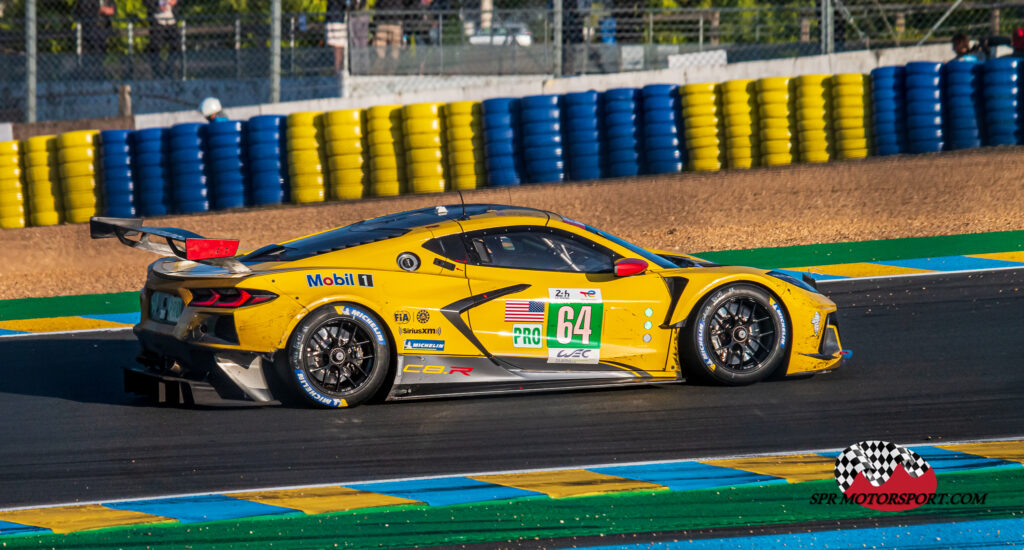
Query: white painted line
(503, 472)
(29, 334)
(908, 275)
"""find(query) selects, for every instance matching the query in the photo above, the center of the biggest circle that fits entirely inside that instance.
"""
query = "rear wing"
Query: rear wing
(178, 243)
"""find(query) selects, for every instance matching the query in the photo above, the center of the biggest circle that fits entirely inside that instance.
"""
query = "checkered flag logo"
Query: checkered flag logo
(877, 460)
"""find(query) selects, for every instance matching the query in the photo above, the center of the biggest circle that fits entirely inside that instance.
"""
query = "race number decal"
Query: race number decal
(574, 325)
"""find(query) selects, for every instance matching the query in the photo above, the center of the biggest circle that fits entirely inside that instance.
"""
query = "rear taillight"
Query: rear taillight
(229, 297)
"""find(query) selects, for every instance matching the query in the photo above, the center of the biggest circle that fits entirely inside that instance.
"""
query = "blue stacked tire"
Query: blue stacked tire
(188, 168)
(661, 119)
(224, 155)
(622, 138)
(1001, 96)
(501, 147)
(581, 134)
(540, 127)
(888, 110)
(117, 185)
(150, 171)
(265, 147)
(924, 114)
(964, 105)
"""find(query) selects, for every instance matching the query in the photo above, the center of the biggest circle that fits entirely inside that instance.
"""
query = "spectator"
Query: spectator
(965, 52)
(211, 109)
(387, 37)
(335, 31)
(1017, 42)
(163, 33)
(93, 17)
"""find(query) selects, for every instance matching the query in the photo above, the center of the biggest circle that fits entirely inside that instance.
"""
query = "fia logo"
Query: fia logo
(401, 317)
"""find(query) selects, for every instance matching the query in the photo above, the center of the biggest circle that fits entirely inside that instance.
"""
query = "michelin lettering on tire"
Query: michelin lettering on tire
(782, 323)
(366, 318)
(702, 346)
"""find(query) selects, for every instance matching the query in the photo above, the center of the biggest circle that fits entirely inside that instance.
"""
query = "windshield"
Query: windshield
(645, 254)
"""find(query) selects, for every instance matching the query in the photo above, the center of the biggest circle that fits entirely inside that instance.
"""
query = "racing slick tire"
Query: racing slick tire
(738, 335)
(338, 356)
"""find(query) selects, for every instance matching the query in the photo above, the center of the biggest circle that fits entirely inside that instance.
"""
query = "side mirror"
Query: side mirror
(630, 266)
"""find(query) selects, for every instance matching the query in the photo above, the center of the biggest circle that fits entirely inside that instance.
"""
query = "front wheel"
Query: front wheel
(738, 335)
(338, 356)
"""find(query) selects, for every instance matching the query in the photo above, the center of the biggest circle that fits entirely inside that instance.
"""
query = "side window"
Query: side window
(449, 246)
(540, 248)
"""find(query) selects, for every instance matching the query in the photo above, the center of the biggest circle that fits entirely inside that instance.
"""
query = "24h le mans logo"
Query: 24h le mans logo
(884, 476)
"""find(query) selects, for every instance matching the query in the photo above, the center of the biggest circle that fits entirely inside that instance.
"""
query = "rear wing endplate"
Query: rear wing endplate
(178, 243)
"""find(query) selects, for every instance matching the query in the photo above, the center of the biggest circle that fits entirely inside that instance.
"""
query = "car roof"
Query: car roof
(383, 228)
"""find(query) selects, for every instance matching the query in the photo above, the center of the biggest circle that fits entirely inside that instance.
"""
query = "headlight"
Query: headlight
(793, 281)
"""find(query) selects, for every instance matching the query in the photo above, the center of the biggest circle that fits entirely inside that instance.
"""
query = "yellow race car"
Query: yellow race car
(457, 300)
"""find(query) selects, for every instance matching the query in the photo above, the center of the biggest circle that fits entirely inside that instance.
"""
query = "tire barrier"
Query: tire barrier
(151, 172)
(924, 116)
(501, 145)
(425, 157)
(41, 180)
(266, 143)
(888, 110)
(117, 182)
(778, 123)
(540, 133)
(188, 168)
(814, 106)
(1001, 94)
(387, 150)
(621, 138)
(581, 135)
(76, 153)
(851, 115)
(465, 144)
(962, 103)
(742, 124)
(703, 126)
(12, 196)
(663, 151)
(348, 174)
(224, 155)
(306, 161)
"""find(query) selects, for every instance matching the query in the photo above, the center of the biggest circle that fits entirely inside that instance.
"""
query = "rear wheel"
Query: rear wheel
(738, 335)
(338, 356)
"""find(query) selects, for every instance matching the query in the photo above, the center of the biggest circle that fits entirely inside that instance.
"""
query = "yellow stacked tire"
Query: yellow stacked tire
(741, 122)
(306, 156)
(39, 161)
(77, 158)
(703, 132)
(348, 168)
(387, 150)
(465, 144)
(425, 157)
(814, 117)
(12, 196)
(851, 111)
(777, 121)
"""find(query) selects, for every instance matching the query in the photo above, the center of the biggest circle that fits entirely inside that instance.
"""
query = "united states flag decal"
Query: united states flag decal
(524, 311)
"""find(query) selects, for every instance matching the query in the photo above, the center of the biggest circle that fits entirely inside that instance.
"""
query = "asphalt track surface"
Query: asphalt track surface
(936, 359)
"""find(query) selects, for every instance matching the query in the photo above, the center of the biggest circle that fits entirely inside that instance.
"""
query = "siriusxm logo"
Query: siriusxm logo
(345, 279)
(427, 345)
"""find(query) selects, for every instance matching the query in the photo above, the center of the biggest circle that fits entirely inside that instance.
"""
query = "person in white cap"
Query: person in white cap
(211, 109)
